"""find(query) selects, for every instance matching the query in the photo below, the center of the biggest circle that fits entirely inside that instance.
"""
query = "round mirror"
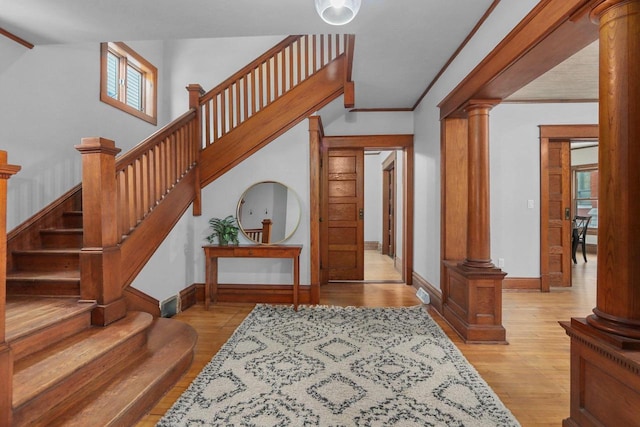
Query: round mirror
(268, 212)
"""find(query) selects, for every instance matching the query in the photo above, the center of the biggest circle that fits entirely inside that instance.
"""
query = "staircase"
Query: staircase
(51, 267)
(70, 352)
(68, 372)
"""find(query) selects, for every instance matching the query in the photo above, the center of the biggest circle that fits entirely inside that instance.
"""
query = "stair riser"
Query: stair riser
(45, 337)
(61, 240)
(46, 261)
(72, 220)
(43, 288)
(72, 387)
(149, 399)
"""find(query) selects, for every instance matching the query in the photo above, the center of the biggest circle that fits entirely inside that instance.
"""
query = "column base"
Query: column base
(472, 303)
(605, 379)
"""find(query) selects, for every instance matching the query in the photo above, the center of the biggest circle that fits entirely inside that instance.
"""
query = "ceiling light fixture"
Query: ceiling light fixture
(337, 12)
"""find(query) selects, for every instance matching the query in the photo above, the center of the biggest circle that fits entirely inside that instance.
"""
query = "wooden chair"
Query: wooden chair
(579, 236)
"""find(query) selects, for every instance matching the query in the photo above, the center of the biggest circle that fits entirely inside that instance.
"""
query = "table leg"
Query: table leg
(296, 281)
(211, 285)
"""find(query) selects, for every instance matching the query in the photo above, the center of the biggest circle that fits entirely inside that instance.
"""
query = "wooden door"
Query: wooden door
(389, 206)
(345, 215)
(555, 213)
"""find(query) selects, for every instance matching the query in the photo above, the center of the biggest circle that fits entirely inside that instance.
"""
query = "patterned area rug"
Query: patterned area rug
(334, 366)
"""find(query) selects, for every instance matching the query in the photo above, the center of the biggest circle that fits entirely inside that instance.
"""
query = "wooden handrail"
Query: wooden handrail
(161, 134)
(265, 80)
(149, 171)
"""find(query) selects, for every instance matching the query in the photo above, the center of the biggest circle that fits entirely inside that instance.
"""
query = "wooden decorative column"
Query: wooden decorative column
(100, 255)
(605, 347)
(6, 356)
(472, 298)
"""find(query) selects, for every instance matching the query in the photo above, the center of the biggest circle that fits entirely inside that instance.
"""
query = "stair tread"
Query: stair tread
(46, 251)
(170, 343)
(44, 275)
(40, 371)
(27, 315)
(63, 230)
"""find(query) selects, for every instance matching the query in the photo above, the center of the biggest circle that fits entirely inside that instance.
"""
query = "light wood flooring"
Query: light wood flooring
(530, 374)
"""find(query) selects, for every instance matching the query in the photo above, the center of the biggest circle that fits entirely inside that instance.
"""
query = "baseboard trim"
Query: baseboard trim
(522, 283)
(434, 293)
(372, 246)
(191, 295)
(267, 294)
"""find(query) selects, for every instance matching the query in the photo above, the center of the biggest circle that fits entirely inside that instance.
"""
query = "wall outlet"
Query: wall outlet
(501, 262)
(423, 296)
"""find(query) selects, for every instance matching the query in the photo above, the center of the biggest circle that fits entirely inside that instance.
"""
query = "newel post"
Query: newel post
(6, 356)
(100, 255)
(195, 92)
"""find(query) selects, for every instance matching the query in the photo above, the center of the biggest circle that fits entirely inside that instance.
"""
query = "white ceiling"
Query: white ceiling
(401, 45)
(576, 79)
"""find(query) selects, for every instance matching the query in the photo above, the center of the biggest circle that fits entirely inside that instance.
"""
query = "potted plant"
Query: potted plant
(226, 230)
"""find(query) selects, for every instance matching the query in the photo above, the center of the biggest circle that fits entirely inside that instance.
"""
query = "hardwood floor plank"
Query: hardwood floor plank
(530, 374)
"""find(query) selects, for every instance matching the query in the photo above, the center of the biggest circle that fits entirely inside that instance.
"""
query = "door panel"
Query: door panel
(345, 225)
(555, 224)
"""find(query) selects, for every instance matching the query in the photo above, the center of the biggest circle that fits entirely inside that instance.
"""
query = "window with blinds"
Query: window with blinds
(128, 81)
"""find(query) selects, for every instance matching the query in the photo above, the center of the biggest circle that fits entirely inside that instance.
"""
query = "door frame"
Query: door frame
(389, 185)
(550, 134)
(319, 144)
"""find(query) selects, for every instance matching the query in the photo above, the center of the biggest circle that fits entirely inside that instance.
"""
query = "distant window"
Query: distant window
(585, 184)
(128, 81)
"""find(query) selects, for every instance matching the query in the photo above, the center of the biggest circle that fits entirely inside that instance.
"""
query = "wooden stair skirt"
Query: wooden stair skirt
(67, 372)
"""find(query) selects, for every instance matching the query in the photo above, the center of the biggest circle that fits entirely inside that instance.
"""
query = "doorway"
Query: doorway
(383, 216)
(556, 207)
(321, 145)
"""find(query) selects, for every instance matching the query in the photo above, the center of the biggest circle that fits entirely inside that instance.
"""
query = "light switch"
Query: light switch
(530, 204)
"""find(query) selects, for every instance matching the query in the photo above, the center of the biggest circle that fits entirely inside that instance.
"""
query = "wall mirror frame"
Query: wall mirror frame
(268, 212)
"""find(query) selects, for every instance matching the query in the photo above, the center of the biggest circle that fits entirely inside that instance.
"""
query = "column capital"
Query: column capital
(475, 104)
(6, 170)
(601, 8)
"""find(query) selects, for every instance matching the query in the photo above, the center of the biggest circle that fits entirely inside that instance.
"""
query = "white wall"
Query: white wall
(179, 261)
(208, 62)
(285, 160)
(49, 101)
(427, 135)
(373, 196)
(515, 178)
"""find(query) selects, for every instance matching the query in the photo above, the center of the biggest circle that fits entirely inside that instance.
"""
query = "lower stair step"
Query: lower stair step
(34, 323)
(135, 390)
(46, 378)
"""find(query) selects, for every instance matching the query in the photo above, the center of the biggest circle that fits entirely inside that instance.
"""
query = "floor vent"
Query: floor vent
(423, 296)
(169, 307)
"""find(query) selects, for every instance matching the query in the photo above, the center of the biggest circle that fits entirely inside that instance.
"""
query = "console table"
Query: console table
(213, 252)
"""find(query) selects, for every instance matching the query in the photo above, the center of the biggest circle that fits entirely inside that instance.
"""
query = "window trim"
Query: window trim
(150, 78)
(587, 167)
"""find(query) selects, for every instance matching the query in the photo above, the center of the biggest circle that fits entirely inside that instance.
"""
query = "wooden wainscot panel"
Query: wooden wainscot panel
(472, 303)
(457, 294)
(605, 380)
